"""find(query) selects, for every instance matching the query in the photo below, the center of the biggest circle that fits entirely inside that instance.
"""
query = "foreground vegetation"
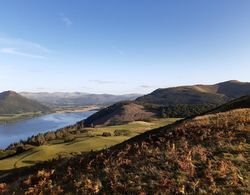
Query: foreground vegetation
(204, 155)
(69, 141)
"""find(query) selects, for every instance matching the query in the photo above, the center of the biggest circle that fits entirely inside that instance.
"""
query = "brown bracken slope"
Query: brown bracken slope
(207, 154)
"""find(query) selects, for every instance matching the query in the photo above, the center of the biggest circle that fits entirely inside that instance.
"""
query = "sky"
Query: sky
(122, 46)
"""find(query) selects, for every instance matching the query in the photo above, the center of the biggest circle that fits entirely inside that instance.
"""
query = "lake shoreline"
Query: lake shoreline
(78, 109)
(19, 117)
(21, 130)
(4, 119)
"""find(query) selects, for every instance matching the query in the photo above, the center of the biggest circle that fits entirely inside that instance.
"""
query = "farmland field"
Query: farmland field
(82, 143)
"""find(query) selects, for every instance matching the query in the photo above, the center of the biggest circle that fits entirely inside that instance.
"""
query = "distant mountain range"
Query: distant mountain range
(13, 103)
(180, 101)
(183, 101)
(58, 99)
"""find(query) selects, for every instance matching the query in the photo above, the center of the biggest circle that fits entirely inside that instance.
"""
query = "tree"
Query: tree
(163, 113)
(40, 139)
(59, 135)
(50, 136)
(69, 138)
(106, 134)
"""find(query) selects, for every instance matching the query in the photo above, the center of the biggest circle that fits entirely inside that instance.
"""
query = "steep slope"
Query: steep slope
(177, 102)
(206, 154)
(242, 102)
(76, 99)
(13, 103)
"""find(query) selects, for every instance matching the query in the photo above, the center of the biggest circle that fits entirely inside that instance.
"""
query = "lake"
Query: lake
(21, 130)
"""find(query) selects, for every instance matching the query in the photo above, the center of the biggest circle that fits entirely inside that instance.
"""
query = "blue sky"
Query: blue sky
(122, 46)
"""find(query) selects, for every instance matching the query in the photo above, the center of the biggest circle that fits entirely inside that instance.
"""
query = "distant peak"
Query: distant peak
(9, 93)
(231, 82)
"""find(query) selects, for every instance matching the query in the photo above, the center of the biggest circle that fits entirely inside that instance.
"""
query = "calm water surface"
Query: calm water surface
(21, 130)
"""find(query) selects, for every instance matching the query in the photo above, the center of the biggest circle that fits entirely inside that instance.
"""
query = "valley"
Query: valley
(136, 125)
(14, 132)
(77, 109)
(124, 97)
(19, 106)
(36, 135)
(212, 149)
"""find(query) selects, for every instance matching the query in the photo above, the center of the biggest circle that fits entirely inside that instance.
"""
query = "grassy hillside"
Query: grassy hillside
(183, 101)
(119, 113)
(85, 140)
(13, 103)
(124, 112)
(198, 94)
(234, 88)
(205, 155)
(182, 95)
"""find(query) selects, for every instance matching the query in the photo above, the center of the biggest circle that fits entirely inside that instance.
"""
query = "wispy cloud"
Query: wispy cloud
(65, 20)
(147, 86)
(21, 47)
(118, 50)
(16, 52)
(23, 43)
(102, 82)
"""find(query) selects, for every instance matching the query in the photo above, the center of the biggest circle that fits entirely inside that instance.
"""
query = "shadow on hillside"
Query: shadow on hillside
(32, 162)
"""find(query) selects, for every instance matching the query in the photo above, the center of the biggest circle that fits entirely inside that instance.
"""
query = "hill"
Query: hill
(13, 103)
(61, 99)
(119, 113)
(203, 155)
(242, 102)
(176, 102)
(198, 94)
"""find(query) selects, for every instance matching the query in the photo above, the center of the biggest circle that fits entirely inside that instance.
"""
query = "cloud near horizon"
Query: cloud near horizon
(147, 86)
(102, 82)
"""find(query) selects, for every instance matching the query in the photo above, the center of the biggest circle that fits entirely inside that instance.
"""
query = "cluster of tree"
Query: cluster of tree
(106, 134)
(121, 132)
(184, 110)
(65, 134)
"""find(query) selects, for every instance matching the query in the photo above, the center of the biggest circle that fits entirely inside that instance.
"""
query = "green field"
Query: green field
(15, 117)
(82, 143)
